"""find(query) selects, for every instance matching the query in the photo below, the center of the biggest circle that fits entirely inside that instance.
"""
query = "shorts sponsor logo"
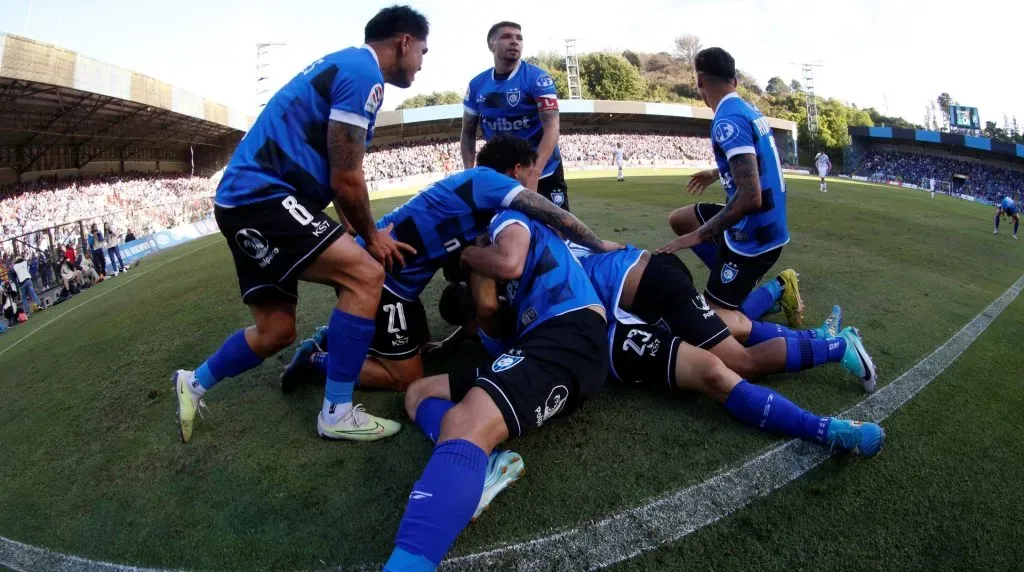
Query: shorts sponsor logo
(555, 402)
(266, 260)
(729, 272)
(399, 341)
(529, 316)
(320, 228)
(252, 243)
(513, 96)
(505, 362)
(700, 303)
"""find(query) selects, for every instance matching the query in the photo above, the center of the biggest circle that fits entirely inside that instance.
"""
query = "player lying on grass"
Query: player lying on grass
(438, 222)
(1009, 208)
(559, 356)
(641, 354)
(659, 289)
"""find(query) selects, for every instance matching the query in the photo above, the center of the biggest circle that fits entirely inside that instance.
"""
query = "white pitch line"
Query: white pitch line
(628, 534)
(124, 282)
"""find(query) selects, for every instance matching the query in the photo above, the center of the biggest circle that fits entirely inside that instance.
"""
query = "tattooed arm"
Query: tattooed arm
(346, 145)
(540, 209)
(746, 200)
(468, 139)
(549, 120)
(505, 259)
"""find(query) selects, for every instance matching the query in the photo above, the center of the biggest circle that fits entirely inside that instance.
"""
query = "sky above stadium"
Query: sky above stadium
(894, 56)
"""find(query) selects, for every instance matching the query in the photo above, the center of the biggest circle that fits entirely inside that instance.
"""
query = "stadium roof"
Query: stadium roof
(446, 120)
(60, 109)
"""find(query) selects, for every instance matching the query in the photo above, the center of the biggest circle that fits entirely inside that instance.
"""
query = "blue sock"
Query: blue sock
(319, 362)
(429, 415)
(707, 253)
(997, 222)
(349, 339)
(441, 504)
(761, 300)
(1016, 224)
(764, 331)
(767, 410)
(806, 353)
(234, 357)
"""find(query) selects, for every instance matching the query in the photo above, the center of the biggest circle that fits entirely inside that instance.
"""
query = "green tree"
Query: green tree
(431, 99)
(686, 47)
(610, 76)
(796, 86)
(549, 60)
(944, 100)
(776, 87)
(634, 59)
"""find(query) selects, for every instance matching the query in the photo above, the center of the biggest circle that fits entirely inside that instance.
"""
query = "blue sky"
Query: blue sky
(878, 53)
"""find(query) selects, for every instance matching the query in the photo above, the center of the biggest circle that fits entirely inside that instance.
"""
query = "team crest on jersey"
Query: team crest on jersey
(544, 80)
(252, 243)
(724, 131)
(505, 362)
(513, 96)
(558, 197)
(375, 98)
(729, 272)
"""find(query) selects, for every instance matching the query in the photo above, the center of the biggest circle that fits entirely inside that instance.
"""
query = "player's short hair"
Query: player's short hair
(504, 152)
(715, 63)
(395, 20)
(456, 304)
(506, 24)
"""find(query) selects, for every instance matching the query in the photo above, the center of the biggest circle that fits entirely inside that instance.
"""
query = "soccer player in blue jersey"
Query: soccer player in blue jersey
(438, 223)
(741, 240)
(519, 98)
(558, 357)
(1009, 208)
(304, 152)
(659, 289)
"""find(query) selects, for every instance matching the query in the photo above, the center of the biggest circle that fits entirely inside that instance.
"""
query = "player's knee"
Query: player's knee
(678, 220)
(483, 426)
(415, 393)
(405, 372)
(718, 379)
(275, 337)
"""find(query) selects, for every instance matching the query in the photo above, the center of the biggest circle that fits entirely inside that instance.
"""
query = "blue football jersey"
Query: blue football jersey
(607, 272)
(440, 220)
(738, 128)
(513, 105)
(285, 151)
(1008, 204)
(553, 281)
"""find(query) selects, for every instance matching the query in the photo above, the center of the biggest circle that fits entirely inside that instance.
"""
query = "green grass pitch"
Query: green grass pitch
(91, 465)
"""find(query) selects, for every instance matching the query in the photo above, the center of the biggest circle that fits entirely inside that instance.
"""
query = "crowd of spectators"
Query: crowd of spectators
(444, 156)
(983, 181)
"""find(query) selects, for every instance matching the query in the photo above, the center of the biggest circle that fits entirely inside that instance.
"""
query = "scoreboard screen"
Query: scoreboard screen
(966, 117)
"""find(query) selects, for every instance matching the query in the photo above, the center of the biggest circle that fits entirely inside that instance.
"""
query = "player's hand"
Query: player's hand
(387, 250)
(701, 180)
(533, 181)
(679, 243)
(610, 246)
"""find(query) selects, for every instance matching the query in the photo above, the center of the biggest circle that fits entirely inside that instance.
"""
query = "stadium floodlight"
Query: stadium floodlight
(262, 76)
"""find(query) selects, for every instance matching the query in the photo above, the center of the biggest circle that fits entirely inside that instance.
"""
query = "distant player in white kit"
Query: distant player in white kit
(617, 151)
(824, 166)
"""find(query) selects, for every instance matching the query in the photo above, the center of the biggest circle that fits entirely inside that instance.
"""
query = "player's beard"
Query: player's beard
(403, 79)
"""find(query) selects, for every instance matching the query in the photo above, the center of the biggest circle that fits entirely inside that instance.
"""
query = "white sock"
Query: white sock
(340, 410)
(196, 389)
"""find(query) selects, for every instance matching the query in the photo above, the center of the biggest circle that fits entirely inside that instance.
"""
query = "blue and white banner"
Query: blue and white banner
(134, 250)
(164, 239)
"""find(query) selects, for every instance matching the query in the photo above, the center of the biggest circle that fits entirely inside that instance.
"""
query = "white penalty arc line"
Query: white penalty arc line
(625, 535)
(124, 282)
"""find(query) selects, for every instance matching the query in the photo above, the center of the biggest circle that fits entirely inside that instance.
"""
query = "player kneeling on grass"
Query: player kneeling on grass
(559, 356)
(659, 289)
(438, 222)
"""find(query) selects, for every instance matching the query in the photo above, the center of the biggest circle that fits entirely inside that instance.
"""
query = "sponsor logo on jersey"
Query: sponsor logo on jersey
(700, 303)
(729, 272)
(505, 362)
(252, 243)
(504, 124)
(529, 316)
(375, 98)
(555, 402)
(513, 96)
(544, 80)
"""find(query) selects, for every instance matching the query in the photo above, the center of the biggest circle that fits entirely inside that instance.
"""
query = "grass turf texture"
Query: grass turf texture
(91, 462)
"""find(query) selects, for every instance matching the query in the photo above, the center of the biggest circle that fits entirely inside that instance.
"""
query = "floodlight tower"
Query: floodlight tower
(572, 70)
(811, 103)
(262, 74)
